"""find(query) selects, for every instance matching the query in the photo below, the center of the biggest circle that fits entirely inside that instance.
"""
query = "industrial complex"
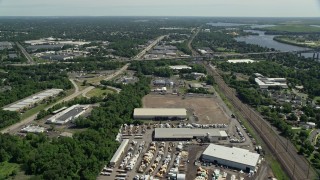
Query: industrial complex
(186, 134)
(231, 157)
(68, 114)
(265, 83)
(160, 113)
(31, 101)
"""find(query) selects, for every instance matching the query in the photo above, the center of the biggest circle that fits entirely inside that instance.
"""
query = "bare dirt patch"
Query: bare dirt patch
(205, 108)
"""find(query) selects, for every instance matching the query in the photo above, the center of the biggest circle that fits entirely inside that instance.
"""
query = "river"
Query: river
(264, 40)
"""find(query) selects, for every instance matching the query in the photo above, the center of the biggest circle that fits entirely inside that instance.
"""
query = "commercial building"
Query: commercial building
(68, 114)
(5, 45)
(195, 85)
(265, 83)
(33, 129)
(160, 113)
(232, 157)
(184, 134)
(120, 151)
(30, 101)
(180, 67)
(241, 61)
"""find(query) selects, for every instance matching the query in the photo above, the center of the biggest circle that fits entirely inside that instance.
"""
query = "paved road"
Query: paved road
(194, 52)
(155, 42)
(124, 68)
(313, 135)
(31, 118)
(25, 53)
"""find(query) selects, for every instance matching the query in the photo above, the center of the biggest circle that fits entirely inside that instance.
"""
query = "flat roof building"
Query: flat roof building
(160, 113)
(241, 61)
(30, 101)
(179, 67)
(67, 115)
(265, 83)
(33, 129)
(231, 156)
(195, 85)
(119, 152)
(179, 134)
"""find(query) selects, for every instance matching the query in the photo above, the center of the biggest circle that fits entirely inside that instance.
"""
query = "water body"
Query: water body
(264, 40)
(315, 26)
(221, 24)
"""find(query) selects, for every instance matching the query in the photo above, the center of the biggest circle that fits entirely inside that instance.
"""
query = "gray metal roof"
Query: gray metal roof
(187, 133)
(238, 155)
(120, 150)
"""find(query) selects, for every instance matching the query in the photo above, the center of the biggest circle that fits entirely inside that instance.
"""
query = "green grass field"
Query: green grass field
(294, 28)
(8, 169)
(276, 169)
(99, 92)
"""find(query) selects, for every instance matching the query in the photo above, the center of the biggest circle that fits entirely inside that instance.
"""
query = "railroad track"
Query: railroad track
(296, 166)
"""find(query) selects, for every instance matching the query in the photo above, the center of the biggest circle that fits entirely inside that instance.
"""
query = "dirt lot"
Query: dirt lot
(206, 109)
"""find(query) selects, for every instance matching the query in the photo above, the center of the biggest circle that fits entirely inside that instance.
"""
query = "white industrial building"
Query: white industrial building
(181, 134)
(30, 102)
(180, 67)
(241, 61)
(265, 83)
(120, 151)
(33, 129)
(232, 157)
(68, 114)
(160, 113)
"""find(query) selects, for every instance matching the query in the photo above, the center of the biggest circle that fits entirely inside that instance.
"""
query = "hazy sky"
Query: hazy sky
(256, 8)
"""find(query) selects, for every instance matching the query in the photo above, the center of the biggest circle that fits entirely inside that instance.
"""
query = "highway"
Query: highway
(25, 53)
(150, 46)
(194, 52)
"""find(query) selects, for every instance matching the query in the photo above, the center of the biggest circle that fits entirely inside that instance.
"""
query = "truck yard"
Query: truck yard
(148, 158)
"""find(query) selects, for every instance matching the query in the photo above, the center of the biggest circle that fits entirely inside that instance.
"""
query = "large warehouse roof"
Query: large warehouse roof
(160, 112)
(238, 155)
(119, 152)
(172, 133)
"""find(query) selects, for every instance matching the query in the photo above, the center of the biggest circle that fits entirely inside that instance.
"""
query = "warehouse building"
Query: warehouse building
(265, 83)
(120, 151)
(241, 61)
(33, 129)
(160, 113)
(232, 157)
(31, 101)
(180, 67)
(67, 115)
(186, 134)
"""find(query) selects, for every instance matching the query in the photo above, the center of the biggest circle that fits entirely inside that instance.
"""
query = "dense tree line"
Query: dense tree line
(297, 71)
(82, 156)
(220, 41)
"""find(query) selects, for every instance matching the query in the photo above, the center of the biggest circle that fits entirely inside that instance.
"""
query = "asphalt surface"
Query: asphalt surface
(26, 54)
